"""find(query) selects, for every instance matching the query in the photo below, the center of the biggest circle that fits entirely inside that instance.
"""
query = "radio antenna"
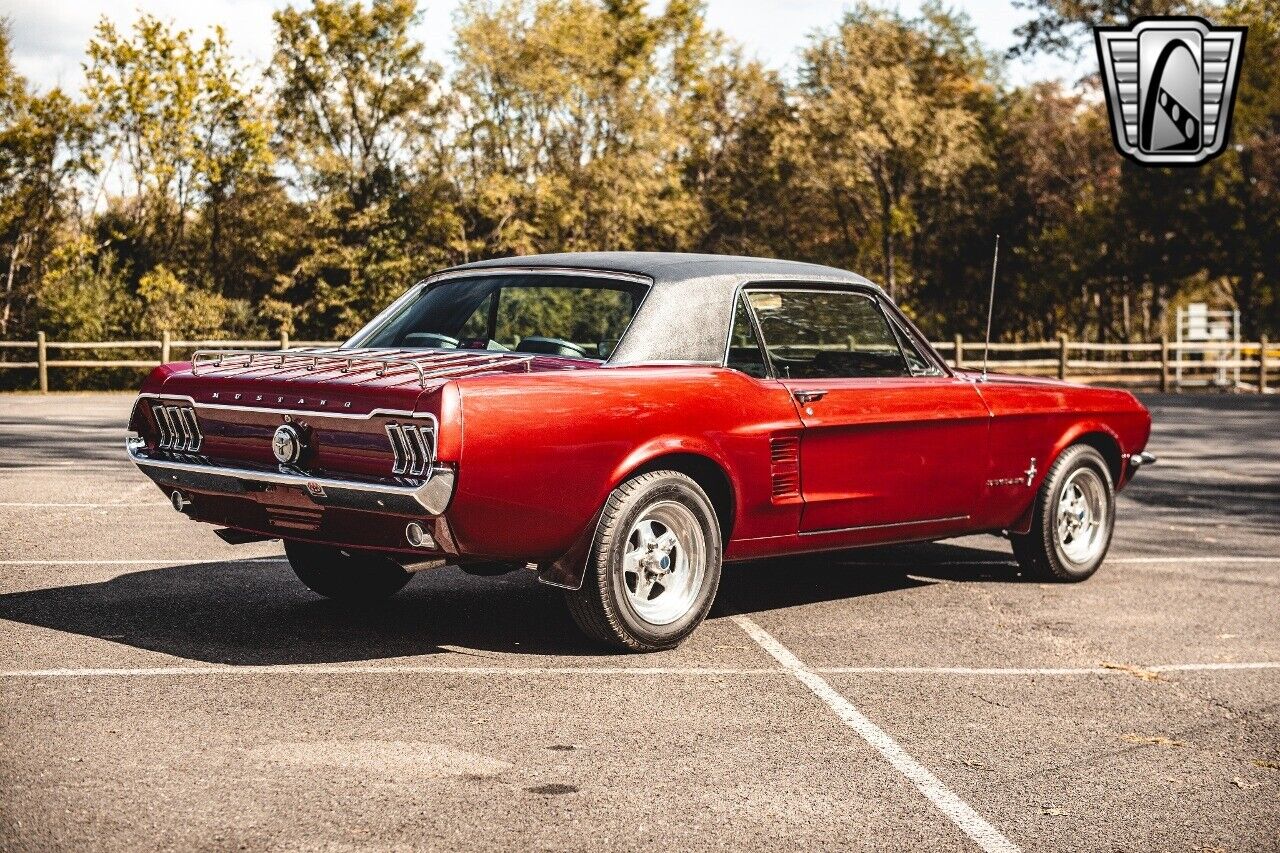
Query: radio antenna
(991, 304)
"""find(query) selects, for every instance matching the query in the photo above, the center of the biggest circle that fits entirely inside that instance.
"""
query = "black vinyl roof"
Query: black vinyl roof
(688, 313)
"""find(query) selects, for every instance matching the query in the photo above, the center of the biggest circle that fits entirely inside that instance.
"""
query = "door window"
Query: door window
(827, 334)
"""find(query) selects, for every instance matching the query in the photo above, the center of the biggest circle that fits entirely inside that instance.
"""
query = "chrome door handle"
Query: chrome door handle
(809, 396)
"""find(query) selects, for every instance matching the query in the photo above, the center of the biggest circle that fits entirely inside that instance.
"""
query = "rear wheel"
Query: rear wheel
(345, 574)
(653, 570)
(1073, 519)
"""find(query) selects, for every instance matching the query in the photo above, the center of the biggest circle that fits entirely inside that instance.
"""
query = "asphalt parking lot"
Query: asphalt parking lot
(163, 690)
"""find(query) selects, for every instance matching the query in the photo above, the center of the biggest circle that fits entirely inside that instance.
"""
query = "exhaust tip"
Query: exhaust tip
(179, 502)
(416, 536)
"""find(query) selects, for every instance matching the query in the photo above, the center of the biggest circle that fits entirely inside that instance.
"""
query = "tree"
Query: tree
(570, 123)
(888, 109)
(361, 116)
(356, 100)
(741, 164)
(43, 150)
(1244, 203)
(1062, 27)
(182, 128)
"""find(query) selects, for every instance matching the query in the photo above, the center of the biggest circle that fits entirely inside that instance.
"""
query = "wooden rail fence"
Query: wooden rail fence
(1164, 364)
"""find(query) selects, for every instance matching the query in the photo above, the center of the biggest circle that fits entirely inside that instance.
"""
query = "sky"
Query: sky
(49, 36)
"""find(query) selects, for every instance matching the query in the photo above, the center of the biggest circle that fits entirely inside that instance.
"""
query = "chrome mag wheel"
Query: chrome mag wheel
(1081, 519)
(664, 563)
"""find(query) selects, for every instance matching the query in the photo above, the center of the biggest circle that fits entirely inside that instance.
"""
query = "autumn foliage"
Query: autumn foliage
(182, 191)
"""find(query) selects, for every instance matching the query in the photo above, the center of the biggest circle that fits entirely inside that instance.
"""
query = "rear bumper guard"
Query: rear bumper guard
(430, 497)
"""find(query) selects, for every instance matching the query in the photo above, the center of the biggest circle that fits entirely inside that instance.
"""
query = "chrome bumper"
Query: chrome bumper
(430, 497)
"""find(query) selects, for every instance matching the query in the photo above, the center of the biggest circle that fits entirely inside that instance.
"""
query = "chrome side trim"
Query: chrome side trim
(431, 497)
(883, 526)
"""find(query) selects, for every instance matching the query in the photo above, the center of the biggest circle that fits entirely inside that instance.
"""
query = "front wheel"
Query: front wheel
(654, 567)
(1073, 519)
(344, 574)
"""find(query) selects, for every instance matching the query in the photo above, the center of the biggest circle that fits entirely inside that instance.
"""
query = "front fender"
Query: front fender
(1070, 436)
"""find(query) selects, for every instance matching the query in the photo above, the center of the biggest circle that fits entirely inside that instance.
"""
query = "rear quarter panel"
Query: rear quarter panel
(540, 453)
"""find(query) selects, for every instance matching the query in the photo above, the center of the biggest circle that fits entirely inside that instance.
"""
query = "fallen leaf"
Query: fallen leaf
(1240, 783)
(1052, 811)
(1153, 740)
(1266, 765)
(1135, 671)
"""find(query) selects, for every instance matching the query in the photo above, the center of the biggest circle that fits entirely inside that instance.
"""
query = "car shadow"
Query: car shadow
(256, 613)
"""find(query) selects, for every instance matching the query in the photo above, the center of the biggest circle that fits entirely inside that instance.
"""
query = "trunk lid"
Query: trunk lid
(343, 381)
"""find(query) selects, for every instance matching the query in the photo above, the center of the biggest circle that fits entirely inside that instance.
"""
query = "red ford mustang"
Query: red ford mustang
(624, 424)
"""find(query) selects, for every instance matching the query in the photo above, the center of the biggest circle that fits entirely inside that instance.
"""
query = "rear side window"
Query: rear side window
(827, 334)
(745, 353)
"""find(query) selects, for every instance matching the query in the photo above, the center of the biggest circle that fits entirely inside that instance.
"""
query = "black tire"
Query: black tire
(603, 608)
(1043, 553)
(356, 577)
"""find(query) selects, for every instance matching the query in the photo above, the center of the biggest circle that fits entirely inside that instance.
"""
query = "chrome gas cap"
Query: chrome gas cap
(287, 444)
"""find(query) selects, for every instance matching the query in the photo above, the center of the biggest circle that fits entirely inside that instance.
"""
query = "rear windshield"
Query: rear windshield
(573, 316)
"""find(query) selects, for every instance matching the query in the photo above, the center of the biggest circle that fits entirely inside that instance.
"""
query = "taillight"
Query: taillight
(176, 428)
(412, 448)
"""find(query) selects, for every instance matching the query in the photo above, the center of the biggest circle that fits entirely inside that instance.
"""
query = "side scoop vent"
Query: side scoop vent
(784, 460)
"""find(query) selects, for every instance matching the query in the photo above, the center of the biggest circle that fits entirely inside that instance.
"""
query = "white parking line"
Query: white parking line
(1032, 670)
(1205, 667)
(324, 669)
(357, 669)
(961, 814)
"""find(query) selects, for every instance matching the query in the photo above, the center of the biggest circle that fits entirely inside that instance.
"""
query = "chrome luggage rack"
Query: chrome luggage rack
(349, 361)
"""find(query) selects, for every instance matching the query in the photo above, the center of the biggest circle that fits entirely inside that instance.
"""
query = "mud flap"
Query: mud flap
(1023, 524)
(570, 569)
